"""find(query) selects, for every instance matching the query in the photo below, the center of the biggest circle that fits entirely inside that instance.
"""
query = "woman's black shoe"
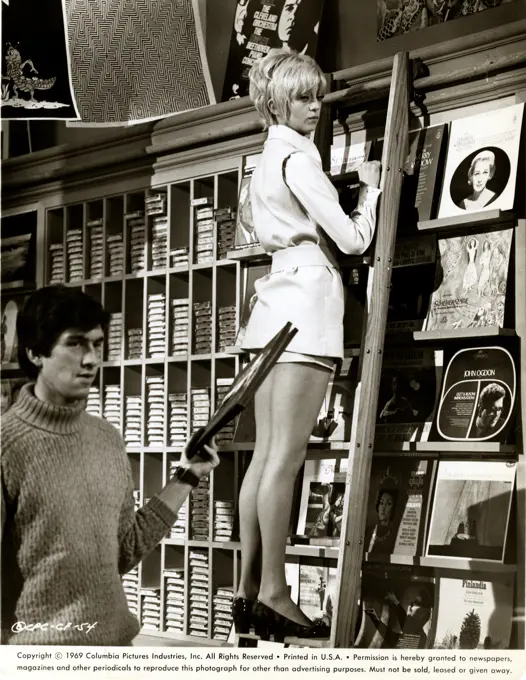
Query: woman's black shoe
(241, 614)
(268, 622)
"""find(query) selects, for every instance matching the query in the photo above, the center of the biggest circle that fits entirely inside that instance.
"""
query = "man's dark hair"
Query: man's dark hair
(490, 394)
(47, 313)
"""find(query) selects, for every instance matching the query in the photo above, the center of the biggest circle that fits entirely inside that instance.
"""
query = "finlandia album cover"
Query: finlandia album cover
(474, 612)
(481, 166)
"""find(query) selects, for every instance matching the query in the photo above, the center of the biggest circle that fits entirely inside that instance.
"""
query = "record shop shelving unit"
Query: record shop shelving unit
(77, 190)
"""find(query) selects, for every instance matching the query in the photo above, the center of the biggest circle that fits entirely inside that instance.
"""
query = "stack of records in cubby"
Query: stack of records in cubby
(159, 242)
(56, 275)
(112, 405)
(115, 255)
(137, 224)
(200, 397)
(222, 621)
(174, 607)
(226, 434)
(114, 337)
(226, 231)
(93, 404)
(155, 204)
(151, 608)
(181, 325)
(199, 510)
(223, 520)
(204, 229)
(132, 421)
(178, 405)
(155, 390)
(202, 327)
(157, 324)
(130, 582)
(74, 247)
(96, 248)
(179, 257)
(135, 343)
(178, 529)
(199, 580)
(227, 327)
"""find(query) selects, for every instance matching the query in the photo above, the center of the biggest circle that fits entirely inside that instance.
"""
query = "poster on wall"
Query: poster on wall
(259, 26)
(137, 61)
(396, 17)
(36, 70)
(482, 159)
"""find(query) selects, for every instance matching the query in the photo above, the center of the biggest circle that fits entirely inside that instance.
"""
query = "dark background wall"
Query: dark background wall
(347, 38)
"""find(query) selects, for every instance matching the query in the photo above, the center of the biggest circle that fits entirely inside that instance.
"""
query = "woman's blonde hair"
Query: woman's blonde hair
(281, 76)
(487, 156)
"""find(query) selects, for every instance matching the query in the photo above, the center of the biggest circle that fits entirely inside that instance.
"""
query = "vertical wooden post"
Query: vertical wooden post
(366, 400)
(518, 629)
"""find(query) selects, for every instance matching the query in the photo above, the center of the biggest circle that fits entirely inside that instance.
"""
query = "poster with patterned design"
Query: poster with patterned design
(134, 61)
(36, 70)
(396, 17)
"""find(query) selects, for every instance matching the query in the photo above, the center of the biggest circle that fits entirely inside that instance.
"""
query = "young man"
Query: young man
(69, 527)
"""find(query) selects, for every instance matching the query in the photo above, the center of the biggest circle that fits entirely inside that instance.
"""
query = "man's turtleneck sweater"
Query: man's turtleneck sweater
(70, 526)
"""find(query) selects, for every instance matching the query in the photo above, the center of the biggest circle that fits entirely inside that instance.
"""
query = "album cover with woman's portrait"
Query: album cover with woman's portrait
(481, 166)
(471, 280)
(397, 506)
(471, 510)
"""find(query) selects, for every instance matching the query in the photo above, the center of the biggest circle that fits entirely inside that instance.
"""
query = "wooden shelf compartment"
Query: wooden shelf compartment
(474, 220)
(438, 562)
(462, 334)
(479, 448)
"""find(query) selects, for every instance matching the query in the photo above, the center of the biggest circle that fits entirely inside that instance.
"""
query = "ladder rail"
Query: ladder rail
(373, 337)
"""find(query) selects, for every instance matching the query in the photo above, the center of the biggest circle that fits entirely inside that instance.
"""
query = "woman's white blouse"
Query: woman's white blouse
(281, 222)
(291, 221)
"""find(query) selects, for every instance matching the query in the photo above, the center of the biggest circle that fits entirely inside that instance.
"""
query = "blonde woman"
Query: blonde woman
(481, 170)
(297, 219)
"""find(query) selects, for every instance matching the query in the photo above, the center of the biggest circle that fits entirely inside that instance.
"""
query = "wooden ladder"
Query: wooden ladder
(373, 333)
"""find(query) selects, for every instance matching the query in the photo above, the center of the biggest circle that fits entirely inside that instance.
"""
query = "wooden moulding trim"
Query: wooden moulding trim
(376, 89)
(451, 49)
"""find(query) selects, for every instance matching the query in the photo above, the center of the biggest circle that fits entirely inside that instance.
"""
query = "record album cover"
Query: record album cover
(474, 612)
(260, 25)
(477, 399)
(470, 281)
(471, 510)
(398, 607)
(481, 166)
(399, 494)
(409, 390)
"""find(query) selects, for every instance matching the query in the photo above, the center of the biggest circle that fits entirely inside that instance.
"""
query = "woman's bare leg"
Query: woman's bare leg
(248, 519)
(297, 393)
